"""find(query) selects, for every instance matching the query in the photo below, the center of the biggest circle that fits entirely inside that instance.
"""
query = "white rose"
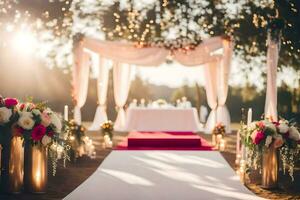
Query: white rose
(46, 140)
(283, 128)
(56, 122)
(5, 115)
(252, 126)
(268, 140)
(26, 121)
(36, 112)
(294, 133)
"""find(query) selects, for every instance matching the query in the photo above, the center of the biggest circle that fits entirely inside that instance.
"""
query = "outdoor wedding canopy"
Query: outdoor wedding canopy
(214, 53)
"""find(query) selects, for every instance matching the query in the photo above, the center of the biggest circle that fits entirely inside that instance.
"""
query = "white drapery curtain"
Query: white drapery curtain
(223, 115)
(271, 95)
(211, 94)
(121, 76)
(80, 81)
(128, 53)
(102, 84)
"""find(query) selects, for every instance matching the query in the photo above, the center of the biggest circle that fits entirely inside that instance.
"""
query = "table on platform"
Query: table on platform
(162, 119)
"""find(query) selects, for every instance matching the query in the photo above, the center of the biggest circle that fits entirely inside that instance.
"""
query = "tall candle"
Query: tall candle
(66, 113)
(249, 119)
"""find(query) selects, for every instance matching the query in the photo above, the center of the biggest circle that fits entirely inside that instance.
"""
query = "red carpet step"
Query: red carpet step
(163, 141)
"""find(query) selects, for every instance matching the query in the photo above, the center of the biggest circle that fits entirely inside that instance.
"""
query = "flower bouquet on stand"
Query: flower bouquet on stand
(11, 149)
(40, 128)
(79, 143)
(218, 135)
(107, 131)
(268, 142)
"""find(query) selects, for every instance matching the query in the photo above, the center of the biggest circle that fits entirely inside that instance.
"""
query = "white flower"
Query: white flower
(26, 121)
(56, 122)
(283, 128)
(268, 140)
(294, 133)
(46, 140)
(270, 125)
(252, 126)
(5, 115)
(36, 112)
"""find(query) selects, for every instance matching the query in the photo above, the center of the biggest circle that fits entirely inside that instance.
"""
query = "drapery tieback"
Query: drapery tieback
(119, 108)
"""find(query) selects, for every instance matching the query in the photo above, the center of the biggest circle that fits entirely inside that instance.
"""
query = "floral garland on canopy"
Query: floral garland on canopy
(282, 135)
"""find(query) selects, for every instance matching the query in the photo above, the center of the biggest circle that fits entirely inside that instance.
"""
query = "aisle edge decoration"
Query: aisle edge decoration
(107, 132)
(270, 137)
(79, 143)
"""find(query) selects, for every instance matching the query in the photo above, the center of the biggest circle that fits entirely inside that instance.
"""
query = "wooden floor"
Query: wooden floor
(67, 179)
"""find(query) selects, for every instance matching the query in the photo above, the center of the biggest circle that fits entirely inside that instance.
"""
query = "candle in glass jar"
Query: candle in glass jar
(219, 138)
(222, 145)
(66, 113)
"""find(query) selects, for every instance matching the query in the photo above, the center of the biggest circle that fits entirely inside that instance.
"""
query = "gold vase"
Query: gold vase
(12, 165)
(270, 168)
(36, 168)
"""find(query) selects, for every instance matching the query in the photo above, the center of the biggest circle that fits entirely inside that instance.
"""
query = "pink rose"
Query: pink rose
(22, 106)
(46, 120)
(257, 137)
(278, 142)
(10, 102)
(261, 125)
(38, 132)
(253, 136)
(276, 123)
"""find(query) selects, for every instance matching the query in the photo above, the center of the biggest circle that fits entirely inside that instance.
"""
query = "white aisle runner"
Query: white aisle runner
(163, 175)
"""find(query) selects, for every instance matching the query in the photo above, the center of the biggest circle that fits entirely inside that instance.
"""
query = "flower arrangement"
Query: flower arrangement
(161, 102)
(39, 125)
(78, 141)
(219, 129)
(107, 129)
(282, 135)
(8, 116)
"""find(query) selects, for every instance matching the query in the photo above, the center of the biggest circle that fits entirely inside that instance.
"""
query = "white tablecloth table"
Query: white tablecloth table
(162, 119)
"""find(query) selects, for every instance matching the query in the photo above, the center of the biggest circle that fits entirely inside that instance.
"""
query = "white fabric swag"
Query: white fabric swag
(121, 53)
(271, 95)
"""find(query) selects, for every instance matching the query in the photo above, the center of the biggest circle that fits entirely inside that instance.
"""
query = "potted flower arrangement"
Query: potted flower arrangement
(11, 149)
(266, 140)
(76, 138)
(218, 133)
(40, 127)
(107, 131)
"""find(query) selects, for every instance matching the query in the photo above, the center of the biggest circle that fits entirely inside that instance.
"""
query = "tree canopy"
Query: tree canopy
(170, 23)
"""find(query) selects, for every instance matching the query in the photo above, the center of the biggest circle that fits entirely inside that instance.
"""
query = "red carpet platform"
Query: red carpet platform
(163, 141)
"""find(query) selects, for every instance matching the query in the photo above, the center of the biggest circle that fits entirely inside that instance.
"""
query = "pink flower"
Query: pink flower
(46, 120)
(276, 123)
(38, 132)
(278, 142)
(22, 106)
(257, 137)
(261, 125)
(10, 102)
